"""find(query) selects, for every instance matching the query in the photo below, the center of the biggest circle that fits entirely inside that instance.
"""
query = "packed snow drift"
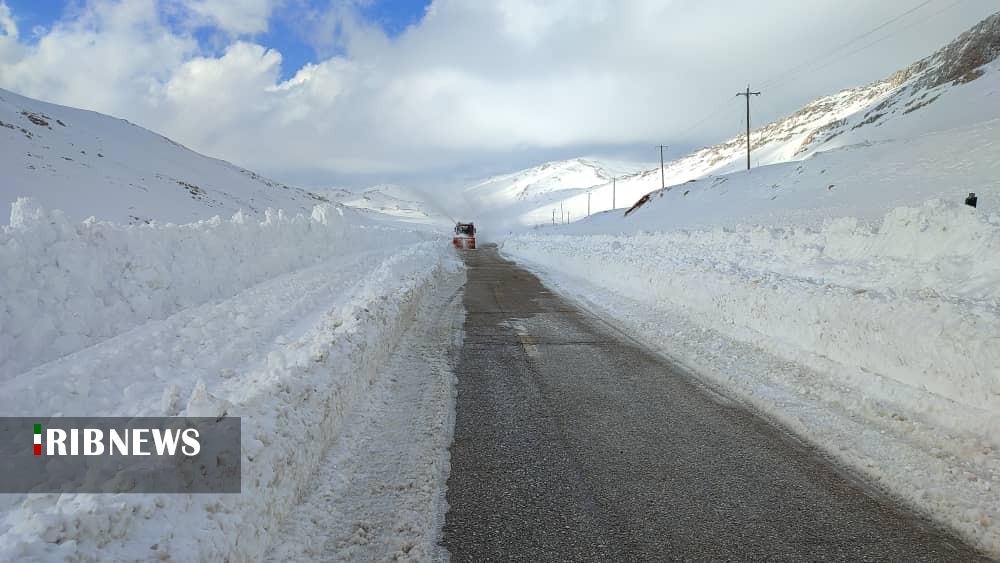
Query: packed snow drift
(284, 321)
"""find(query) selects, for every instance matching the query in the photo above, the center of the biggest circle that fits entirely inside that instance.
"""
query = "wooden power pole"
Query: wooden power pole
(663, 182)
(613, 188)
(747, 95)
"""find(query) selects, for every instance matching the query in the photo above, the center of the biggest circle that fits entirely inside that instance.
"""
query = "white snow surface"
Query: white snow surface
(285, 322)
(379, 495)
(68, 285)
(89, 164)
(395, 203)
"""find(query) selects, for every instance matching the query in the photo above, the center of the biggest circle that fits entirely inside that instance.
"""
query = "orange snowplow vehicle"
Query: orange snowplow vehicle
(465, 236)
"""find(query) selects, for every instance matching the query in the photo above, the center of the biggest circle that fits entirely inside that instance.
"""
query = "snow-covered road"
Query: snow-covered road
(379, 493)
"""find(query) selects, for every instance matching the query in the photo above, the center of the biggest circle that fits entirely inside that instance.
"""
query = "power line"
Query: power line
(877, 41)
(779, 78)
(720, 108)
(774, 79)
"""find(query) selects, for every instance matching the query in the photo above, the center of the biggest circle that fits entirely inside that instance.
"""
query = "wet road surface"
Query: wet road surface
(573, 443)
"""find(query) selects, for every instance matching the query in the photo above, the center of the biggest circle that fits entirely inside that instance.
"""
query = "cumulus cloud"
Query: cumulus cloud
(9, 47)
(473, 82)
(113, 58)
(7, 26)
(233, 16)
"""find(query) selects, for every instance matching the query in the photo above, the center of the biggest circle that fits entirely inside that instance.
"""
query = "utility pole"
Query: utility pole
(588, 204)
(613, 188)
(562, 216)
(747, 95)
(553, 216)
(663, 182)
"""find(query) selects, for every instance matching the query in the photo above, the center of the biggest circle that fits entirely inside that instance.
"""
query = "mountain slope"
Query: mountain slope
(957, 86)
(529, 196)
(393, 202)
(89, 164)
(953, 87)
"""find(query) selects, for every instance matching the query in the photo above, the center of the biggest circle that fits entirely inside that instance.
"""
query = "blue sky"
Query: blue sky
(285, 33)
(32, 13)
(285, 30)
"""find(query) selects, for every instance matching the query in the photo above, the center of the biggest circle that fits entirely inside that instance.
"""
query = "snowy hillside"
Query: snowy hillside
(395, 203)
(527, 197)
(955, 86)
(959, 85)
(89, 164)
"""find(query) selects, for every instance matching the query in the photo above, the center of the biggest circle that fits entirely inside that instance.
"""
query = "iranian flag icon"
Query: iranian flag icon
(38, 439)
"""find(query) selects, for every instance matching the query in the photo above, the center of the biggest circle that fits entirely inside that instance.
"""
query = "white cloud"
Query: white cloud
(9, 47)
(473, 82)
(7, 26)
(233, 16)
(113, 58)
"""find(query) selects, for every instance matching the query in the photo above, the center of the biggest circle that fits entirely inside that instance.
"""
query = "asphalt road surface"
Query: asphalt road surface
(573, 443)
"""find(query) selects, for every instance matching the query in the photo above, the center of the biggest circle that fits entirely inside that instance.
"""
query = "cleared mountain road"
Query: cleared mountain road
(574, 443)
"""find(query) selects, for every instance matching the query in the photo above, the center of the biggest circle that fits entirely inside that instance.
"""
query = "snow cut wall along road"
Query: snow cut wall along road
(284, 322)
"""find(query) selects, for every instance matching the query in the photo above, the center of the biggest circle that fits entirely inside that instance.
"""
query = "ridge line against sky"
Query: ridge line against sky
(355, 92)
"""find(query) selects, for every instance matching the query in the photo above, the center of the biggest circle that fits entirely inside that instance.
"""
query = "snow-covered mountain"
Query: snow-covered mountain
(88, 164)
(392, 202)
(957, 86)
(529, 196)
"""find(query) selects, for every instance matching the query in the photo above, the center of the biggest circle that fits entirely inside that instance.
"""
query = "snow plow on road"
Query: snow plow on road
(465, 236)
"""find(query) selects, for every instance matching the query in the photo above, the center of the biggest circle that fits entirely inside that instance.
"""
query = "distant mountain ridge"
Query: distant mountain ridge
(392, 201)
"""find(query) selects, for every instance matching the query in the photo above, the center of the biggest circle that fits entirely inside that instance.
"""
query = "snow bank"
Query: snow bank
(284, 322)
(68, 285)
(913, 304)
